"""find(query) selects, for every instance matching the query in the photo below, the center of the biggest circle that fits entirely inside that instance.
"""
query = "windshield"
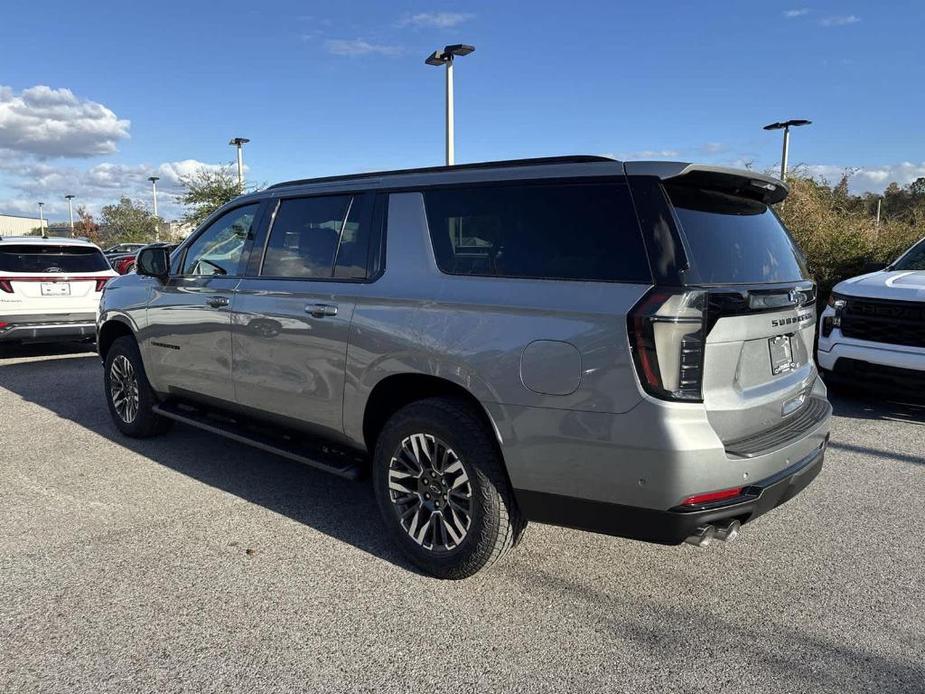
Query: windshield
(913, 259)
(734, 240)
(50, 259)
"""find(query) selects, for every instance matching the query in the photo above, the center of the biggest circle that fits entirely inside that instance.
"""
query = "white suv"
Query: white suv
(50, 288)
(873, 330)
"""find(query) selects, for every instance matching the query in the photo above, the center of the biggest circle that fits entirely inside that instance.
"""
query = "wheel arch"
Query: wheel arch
(398, 390)
(109, 332)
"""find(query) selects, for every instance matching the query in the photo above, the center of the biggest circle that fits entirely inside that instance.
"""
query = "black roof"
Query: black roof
(573, 159)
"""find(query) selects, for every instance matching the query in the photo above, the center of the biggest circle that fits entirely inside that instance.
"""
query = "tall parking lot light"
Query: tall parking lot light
(42, 219)
(446, 57)
(785, 126)
(154, 180)
(70, 211)
(239, 142)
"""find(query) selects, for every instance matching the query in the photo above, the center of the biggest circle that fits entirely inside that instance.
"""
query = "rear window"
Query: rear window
(48, 259)
(733, 240)
(573, 231)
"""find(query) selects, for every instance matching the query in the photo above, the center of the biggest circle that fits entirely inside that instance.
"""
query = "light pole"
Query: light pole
(154, 180)
(785, 126)
(42, 219)
(879, 200)
(70, 211)
(446, 56)
(239, 142)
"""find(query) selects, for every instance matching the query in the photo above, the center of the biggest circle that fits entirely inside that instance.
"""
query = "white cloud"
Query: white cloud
(358, 47)
(48, 122)
(437, 20)
(799, 12)
(869, 179)
(839, 20)
(94, 187)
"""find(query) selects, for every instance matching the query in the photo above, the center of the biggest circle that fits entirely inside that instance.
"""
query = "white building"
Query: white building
(13, 225)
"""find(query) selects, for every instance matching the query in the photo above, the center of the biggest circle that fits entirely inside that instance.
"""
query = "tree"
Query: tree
(86, 227)
(205, 190)
(127, 221)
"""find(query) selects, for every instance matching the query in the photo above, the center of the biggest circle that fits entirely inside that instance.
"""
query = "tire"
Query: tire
(429, 529)
(124, 374)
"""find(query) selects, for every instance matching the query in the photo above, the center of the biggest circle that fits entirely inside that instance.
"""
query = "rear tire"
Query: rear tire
(128, 393)
(442, 489)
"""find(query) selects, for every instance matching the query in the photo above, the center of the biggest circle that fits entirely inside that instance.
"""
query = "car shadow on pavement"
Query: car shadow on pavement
(70, 386)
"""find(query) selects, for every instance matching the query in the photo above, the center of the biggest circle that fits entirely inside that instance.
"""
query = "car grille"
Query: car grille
(892, 322)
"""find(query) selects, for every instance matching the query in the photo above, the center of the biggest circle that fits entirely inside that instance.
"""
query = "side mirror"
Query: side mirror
(153, 261)
(872, 267)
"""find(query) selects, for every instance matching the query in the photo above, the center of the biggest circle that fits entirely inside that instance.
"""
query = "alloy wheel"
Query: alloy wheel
(123, 388)
(430, 492)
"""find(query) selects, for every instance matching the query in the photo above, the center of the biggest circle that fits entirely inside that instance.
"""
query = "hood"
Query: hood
(902, 285)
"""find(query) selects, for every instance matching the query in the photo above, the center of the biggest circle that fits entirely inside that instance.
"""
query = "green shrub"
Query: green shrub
(838, 231)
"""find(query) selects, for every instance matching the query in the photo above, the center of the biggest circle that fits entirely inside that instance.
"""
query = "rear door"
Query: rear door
(760, 309)
(293, 310)
(188, 339)
(61, 280)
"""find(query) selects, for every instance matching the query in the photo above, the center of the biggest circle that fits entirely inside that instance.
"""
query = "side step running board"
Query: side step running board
(336, 461)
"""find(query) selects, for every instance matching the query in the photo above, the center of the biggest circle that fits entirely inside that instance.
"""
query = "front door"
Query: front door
(188, 340)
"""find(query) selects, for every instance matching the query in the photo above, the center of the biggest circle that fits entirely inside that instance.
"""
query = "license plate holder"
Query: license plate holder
(56, 289)
(781, 351)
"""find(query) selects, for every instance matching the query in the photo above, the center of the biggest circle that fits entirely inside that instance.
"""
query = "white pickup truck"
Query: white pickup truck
(873, 330)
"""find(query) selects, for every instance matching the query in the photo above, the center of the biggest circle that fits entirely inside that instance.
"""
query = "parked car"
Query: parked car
(123, 248)
(624, 348)
(872, 332)
(124, 263)
(50, 288)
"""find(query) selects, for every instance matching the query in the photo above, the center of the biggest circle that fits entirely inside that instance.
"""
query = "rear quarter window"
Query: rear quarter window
(568, 231)
(49, 259)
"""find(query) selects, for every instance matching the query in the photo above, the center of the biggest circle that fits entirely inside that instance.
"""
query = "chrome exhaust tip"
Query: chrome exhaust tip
(728, 532)
(702, 537)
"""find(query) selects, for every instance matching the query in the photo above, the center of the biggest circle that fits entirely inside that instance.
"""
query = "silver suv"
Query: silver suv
(618, 347)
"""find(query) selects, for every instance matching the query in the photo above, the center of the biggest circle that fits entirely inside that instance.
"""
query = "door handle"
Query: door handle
(217, 301)
(321, 310)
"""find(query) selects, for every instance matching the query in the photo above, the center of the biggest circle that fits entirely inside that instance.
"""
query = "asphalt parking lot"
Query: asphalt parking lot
(191, 563)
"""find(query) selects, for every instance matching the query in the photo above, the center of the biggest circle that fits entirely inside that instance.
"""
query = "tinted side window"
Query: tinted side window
(353, 252)
(575, 231)
(217, 250)
(305, 237)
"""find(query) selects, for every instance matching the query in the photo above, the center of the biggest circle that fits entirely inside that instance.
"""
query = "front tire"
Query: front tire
(442, 489)
(128, 393)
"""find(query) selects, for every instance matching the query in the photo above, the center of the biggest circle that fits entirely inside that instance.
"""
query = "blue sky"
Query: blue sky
(335, 87)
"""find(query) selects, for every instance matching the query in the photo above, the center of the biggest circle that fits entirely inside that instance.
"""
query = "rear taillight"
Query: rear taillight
(666, 331)
(3, 325)
(101, 282)
(6, 286)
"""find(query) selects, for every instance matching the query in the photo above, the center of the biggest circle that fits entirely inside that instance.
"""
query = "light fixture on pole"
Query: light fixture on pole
(70, 211)
(239, 142)
(42, 219)
(446, 57)
(154, 180)
(785, 126)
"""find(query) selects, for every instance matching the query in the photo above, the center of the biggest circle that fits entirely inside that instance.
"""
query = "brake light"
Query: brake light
(711, 497)
(6, 286)
(101, 282)
(3, 325)
(666, 332)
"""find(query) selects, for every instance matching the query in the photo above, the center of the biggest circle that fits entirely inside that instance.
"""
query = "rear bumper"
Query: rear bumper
(71, 326)
(673, 526)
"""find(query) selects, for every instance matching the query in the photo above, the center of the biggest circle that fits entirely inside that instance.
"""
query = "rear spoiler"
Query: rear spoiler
(740, 182)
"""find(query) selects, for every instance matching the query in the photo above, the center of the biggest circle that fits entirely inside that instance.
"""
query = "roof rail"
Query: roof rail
(539, 161)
